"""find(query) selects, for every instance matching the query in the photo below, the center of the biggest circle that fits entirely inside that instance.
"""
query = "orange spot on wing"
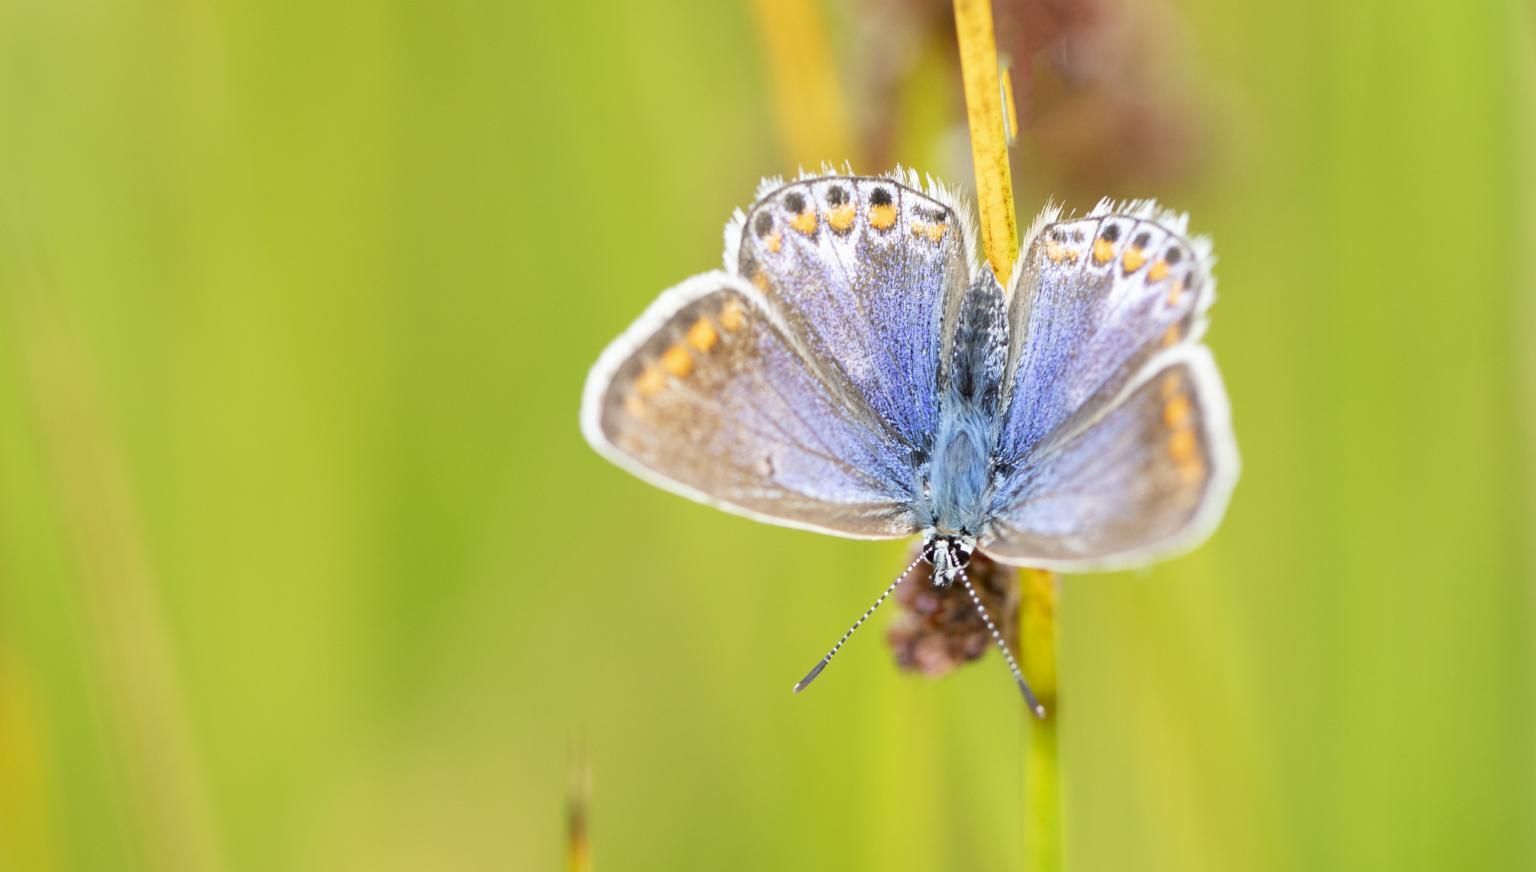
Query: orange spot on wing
(805, 222)
(1058, 252)
(933, 232)
(1158, 272)
(1134, 259)
(841, 218)
(1103, 250)
(1176, 411)
(882, 217)
(702, 335)
(1182, 445)
(732, 317)
(1176, 290)
(650, 381)
(773, 242)
(677, 361)
(1172, 336)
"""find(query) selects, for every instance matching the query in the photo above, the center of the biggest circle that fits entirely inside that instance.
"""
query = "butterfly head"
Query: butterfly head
(947, 555)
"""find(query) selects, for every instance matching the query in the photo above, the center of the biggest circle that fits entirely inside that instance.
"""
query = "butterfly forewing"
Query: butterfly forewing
(864, 271)
(1095, 299)
(1149, 476)
(707, 396)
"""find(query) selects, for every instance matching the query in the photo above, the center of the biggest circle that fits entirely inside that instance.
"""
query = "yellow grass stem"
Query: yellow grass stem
(811, 114)
(984, 99)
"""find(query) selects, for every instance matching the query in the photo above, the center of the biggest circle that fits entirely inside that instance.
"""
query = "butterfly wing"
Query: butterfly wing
(708, 395)
(1101, 468)
(1093, 299)
(868, 273)
(1149, 477)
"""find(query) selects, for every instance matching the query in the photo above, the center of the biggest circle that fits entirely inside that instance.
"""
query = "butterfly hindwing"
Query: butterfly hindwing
(1149, 476)
(866, 272)
(706, 395)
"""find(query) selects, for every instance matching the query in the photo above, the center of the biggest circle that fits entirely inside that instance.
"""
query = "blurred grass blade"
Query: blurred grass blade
(811, 113)
(578, 803)
(131, 660)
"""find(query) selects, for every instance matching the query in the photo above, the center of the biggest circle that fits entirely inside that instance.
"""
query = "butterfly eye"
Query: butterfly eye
(930, 550)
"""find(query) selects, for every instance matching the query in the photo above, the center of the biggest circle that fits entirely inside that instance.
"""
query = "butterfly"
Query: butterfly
(854, 371)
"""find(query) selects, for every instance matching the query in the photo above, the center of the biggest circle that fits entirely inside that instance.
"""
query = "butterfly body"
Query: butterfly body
(960, 473)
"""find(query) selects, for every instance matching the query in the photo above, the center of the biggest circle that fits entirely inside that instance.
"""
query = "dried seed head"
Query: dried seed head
(939, 628)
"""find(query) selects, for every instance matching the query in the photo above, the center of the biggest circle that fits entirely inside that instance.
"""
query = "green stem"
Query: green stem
(1042, 770)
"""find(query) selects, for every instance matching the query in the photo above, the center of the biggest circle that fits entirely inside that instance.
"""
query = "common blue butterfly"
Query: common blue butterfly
(853, 370)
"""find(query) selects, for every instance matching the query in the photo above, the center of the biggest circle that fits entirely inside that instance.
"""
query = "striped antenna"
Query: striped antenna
(1018, 675)
(822, 663)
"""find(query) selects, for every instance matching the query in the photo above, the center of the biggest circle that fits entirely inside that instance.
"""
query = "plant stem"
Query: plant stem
(1042, 773)
(578, 802)
(987, 98)
(989, 135)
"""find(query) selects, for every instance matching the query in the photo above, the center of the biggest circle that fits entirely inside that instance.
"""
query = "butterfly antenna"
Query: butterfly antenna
(822, 663)
(1013, 665)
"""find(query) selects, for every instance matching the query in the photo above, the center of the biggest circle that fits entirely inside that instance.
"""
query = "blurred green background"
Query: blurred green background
(304, 564)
